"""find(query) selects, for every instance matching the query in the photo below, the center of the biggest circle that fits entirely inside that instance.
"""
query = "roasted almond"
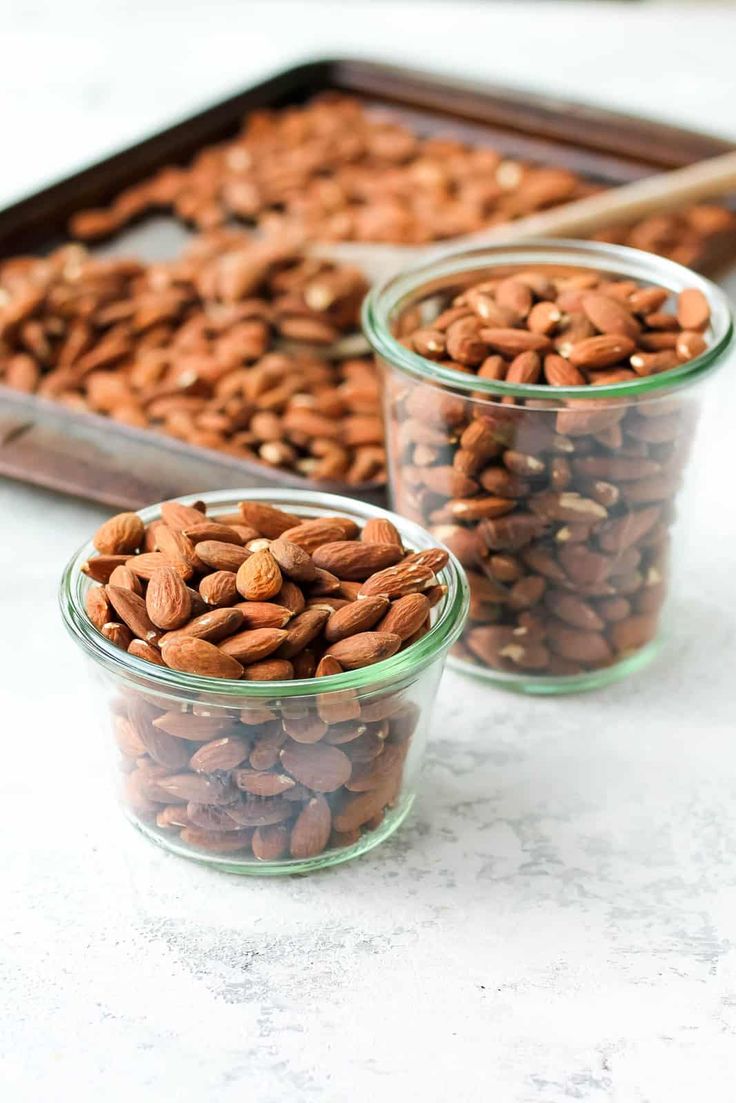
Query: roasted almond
(364, 649)
(197, 656)
(120, 535)
(167, 599)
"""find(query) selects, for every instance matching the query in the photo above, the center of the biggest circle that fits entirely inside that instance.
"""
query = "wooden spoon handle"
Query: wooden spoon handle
(652, 195)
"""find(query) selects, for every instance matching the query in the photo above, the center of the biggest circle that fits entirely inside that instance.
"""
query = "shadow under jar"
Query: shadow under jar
(556, 494)
(320, 770)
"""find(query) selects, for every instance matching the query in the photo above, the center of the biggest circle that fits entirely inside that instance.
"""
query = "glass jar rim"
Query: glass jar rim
(442, 634)
(382, 301)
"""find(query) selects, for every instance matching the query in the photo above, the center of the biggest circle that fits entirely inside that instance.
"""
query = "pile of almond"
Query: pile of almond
(262, 595)
(333, 170)
(559, 510)
(233, 346)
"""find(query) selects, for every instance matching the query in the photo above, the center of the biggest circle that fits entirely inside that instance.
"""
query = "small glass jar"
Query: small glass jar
(166, 723)
(561, 600)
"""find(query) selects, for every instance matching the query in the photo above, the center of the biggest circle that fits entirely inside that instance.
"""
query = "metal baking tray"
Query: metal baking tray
(92, 456)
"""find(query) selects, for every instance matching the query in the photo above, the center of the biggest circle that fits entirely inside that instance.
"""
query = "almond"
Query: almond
(355, 561)
(120, 535)
(364, 649)
(267, 520)
(179, 516)
(404, 578)
(142, 650)
(269, 670)
(379, 530)
(357, 809)
(211, 530)
(253, 644)
(601, 352)
(357, 616)
(693, 309)
(195, 787)
(220, 754)
(259, 577)
(144, 565)
(185, 725)
(221, 842)
(406, 615)
(610, 316)
(304, 628)
(219, 589)
(311, 831)
(318, 766)
(126, 580)
(260, 812)
(510, 342)
(271, 843)
(97, 606)
(310, 535)
(293, 561)
(261, 783)
(131, 608)
(167, 599)
(212, 626)
(101, 567)
(222, 556)
(118, 634)
(197, 656)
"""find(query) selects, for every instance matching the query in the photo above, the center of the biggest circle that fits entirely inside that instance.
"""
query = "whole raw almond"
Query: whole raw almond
(269, 670)
(118, 634)
(145, 564)
(693, 309)
(214, 625)
(187, 725)
(310, 535)
(406, 615)
(304, 628)
(142, 650)
(293, 560)
(259, 578)
(197, 656)
(318, 766)
(101, 566)
(260, 812)
(212, 530)
(167, 599)
(126, 580)
(379, 530)
(195, 787)
(179, 516)
(271, 843)
(219, 589)
(364, 649)
(120, 535)
(262, 783)
(356, 616)
(222, 556)
(97, 606)
(253, 644)
(131, 608)
(404, 578)
(220, 754)
(610, 316)
(221, 842)
(268, 520)
(263, 614)
(602, 351)
(355, 561)
(311, 831)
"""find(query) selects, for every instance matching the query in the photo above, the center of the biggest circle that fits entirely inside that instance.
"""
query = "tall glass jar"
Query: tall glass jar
(561, 600)
(284, 735)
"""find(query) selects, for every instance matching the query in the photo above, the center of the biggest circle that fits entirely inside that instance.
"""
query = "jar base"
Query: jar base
(288, 867)
(541, 685)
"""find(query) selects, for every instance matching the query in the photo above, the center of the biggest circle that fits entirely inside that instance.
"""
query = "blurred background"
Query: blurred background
(82, 78)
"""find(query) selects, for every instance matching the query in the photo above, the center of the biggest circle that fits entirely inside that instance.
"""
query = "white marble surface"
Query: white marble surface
(555, 921)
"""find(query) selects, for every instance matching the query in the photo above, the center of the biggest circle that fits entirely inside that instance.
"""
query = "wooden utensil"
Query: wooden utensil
(654, 194)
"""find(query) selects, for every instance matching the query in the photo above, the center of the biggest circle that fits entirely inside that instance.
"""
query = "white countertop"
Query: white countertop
(555, 922)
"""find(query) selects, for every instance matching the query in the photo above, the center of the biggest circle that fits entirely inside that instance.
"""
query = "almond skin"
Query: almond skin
(267, 520)
(318, 766)
(120, 535)
(131, 608)
(365, 649)
(197, 656)
(253, 644)
(220, 754)
(406, 615)
(357, 616)
(355, 561)
(167, 599)
(212, 626)
(293, 560)
(259, 577)
(311, 831)
(219, 589)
